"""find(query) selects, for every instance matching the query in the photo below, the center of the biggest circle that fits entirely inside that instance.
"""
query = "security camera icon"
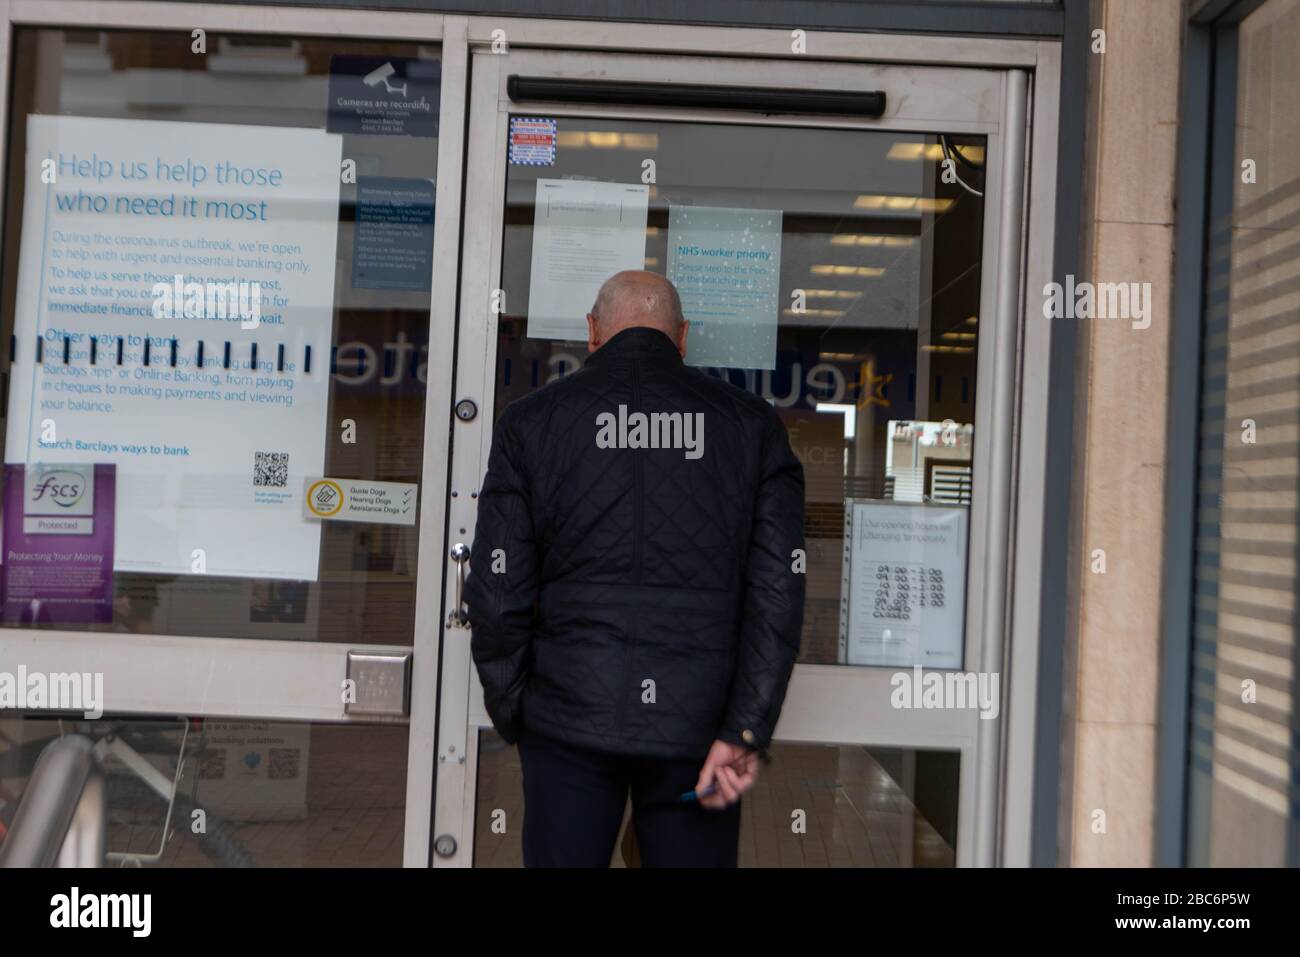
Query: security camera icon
(380, 75)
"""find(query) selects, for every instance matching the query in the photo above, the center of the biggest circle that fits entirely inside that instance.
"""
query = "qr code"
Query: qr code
(212, 765)
(270, 469)
(283, 764)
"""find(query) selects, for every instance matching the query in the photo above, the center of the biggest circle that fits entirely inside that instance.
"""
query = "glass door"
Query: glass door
(874, 305)
(226, 394)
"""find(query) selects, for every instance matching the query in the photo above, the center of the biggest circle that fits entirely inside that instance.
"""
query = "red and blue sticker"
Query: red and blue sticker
(532, 141)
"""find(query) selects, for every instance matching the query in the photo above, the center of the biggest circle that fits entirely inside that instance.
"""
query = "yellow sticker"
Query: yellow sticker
(324, 498)
(360, 500)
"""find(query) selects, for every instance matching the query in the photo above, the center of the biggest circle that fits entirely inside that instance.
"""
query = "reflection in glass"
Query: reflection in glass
(248, 793)
(337, 368)
(1243, 760)
(813, 806)
(872, 313)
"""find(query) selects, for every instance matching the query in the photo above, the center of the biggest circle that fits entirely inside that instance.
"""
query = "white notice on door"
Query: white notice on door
(583, 233)
(905, 585)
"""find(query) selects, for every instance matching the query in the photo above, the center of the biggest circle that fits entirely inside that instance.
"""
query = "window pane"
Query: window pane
(1242, 808)
(215, 297)
(815, 805)
(855, 312)
(249, 793)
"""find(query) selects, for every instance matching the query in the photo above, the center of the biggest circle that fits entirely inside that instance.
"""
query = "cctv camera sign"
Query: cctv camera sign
(384, 96)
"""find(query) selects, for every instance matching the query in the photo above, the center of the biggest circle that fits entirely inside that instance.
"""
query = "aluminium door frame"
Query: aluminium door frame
(999, 387)
(278, 679)
(1041, 58)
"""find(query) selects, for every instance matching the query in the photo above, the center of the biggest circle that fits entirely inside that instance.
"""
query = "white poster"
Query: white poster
(583, 233)
(726, 265)
(255, 770)
(178, 279)
(905, 584)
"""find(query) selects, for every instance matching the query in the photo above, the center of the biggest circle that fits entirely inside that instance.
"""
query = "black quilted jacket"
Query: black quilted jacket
(638, 600)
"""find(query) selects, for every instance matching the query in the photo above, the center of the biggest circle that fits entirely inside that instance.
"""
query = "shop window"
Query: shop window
(835, 273)
(1242, 805)
(216, 286)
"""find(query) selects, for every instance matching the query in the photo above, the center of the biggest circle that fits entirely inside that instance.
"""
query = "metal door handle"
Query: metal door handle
(458, 617)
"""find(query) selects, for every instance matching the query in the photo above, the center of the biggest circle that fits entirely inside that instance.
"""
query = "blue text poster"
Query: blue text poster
(394, 235)
(175, 311)
(726, 265)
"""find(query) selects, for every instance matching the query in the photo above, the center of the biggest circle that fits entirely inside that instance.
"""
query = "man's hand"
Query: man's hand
(731, 769)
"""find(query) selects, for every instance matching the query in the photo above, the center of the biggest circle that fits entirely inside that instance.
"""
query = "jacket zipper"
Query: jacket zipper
(638, 483)
(638, 528)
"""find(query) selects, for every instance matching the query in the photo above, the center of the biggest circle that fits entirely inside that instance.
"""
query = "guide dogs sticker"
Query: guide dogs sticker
(360, 500)
(324, 498)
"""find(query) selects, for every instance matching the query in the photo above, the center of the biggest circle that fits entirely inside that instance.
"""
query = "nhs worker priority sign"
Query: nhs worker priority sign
(174, 309)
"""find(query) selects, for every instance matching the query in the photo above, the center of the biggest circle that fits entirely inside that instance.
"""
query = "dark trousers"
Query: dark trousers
(574, 801)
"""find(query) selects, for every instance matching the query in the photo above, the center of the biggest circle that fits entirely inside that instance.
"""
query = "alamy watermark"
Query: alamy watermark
(53, 691)
(655, 430)
(945, 691)
(179, 299)
(1103, 300)
(133, 912)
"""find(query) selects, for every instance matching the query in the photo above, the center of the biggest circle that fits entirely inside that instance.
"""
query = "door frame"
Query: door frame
(276, 679)
(1004, 390)
(1013, 816)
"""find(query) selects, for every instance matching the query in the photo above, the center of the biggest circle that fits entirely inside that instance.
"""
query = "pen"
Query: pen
(750, 741)
(696, 795)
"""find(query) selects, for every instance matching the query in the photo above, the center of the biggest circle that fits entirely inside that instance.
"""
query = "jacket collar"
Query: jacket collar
(637, 342)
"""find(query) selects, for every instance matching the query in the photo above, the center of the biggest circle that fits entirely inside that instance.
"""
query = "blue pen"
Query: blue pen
(696, 795)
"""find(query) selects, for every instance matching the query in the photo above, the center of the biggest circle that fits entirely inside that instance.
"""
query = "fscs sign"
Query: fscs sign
(60, 490)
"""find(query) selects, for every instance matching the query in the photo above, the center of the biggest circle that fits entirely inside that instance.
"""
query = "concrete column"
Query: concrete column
(1113, 673)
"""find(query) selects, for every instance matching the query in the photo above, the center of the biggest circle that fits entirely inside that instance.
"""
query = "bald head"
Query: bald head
(636, 298)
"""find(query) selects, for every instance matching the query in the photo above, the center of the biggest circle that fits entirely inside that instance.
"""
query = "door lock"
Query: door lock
(458, 617)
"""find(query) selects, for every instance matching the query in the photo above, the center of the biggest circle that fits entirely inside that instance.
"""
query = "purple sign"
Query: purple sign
(58, 543)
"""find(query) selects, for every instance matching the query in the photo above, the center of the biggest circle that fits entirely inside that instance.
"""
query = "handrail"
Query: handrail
(60, 820)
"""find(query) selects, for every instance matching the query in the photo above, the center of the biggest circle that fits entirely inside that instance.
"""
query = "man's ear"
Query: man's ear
(593, 336)
(682, 332)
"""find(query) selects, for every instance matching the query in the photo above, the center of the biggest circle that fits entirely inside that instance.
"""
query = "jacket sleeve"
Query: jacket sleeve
(772, 619)
(503, 583)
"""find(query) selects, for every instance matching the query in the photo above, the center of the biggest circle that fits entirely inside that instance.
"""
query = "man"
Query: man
(636, 591)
